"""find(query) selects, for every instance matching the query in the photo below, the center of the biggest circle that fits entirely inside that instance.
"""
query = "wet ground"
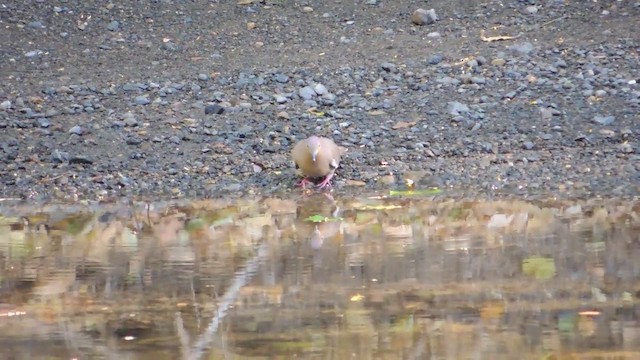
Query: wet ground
(316, 277)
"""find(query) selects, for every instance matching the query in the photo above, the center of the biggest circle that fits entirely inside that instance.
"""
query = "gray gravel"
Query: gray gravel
(206, 99)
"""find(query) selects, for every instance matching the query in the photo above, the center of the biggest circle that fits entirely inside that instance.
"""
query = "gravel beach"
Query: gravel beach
(191, 99)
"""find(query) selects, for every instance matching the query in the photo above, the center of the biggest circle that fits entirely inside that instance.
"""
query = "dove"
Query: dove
(316, 157)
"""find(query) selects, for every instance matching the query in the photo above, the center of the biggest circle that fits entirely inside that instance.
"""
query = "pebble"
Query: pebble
(307, 93)
(5, 105)
(456, 108)
(498, 62)
(214, 109)
(35, 25)
(424, 17)
(604, 120)
(435, 59)
(282, 78)
(43, 122)
(307, 9)
(141, 100)
(129, 119)
(113, 26)
(203, 77)
(531, 9)
(523, 48)
(320, 89)
(78, 130)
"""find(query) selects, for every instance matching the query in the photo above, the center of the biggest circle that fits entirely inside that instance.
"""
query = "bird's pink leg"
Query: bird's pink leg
(326, 182)
(304, 182)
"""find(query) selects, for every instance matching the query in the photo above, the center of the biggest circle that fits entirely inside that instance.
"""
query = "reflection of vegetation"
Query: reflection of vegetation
(319, 219)
(416, 192)
(539, 268)
(392, 274)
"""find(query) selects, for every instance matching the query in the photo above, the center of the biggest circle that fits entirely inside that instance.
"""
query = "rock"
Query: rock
(435, 59)
(524, 48)
(59, 156)
(141, 100)
(498, 62)
(80, 159)
(76, 130)
(203, 77)
(5, 105)
(43, 122)
(388, 67)
(424, 17)
(307, 9)
(281, 99)
(604, 120)
(531, 9)
(320, 89)
(213, 109)
(113, 26)
(307, 93)
(35, 25)
(281, 78)
(129, 119)
(456, 108)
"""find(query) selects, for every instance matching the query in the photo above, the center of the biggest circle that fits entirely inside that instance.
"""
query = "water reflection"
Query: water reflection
(318, 277)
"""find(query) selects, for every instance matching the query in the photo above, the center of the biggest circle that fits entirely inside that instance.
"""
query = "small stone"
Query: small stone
(435, 59)
(531, 9)
(528, 145)
(80, 159)
(251, 25)
(129, 119)
(283, 115)
(59, 156)
(203, 77)
(389, 67)
(524, 48)
(456, 108)
(113, 26)
(307, 93)
(424, 17)
(33, 53)
(280, 99)
(498, 62)
(601, 93)
(5, 105)
(142, 100)
(43, 122)
(307, 9)
(282, 79)
(76, 130)
(35, 25)
(604, 120)
(626, 148)
(213, 109)
(320, 89)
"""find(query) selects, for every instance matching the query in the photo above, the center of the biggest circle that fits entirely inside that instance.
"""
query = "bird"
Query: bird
(316, 157)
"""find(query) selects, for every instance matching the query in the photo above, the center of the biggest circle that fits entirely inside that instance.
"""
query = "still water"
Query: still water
(321, 278)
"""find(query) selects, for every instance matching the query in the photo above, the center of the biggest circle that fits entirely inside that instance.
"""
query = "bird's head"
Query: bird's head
(313, 144)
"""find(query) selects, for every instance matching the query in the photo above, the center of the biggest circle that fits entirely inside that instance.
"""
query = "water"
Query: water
(321, 278)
